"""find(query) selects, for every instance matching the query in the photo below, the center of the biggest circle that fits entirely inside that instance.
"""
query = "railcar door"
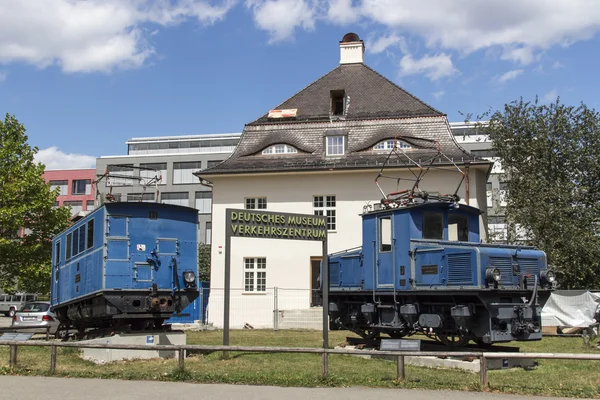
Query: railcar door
(117, 252)
(385, 252)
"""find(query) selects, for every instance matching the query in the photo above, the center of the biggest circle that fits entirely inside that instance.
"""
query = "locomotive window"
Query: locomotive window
(458, 228)
(69, 238)
(152, 215)
(90, 233)
(433, 226)
(385, 234)
(81, 239)
(57, 253)
(75, 242)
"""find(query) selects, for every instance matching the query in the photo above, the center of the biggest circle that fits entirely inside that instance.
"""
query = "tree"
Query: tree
(551, 158)
(28, 218)
(204, 262)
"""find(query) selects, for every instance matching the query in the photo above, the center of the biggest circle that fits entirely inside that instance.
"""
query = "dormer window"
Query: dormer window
(335, 145)
(338, 102)
(280, 149)
(391, 144)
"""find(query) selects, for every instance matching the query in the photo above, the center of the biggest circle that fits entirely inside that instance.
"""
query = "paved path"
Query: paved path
(4, 321)
(38, 388)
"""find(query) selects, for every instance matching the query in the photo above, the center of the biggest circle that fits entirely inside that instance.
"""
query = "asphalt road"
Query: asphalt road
(36, 388)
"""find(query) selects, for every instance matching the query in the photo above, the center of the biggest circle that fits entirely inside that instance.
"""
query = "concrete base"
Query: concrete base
(457, 362)
(102, 356)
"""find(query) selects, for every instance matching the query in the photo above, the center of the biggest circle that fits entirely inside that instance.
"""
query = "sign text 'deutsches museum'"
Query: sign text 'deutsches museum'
(274, 225)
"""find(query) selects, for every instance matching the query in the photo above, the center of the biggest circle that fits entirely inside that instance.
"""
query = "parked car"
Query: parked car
(36, 314)
(9, 304)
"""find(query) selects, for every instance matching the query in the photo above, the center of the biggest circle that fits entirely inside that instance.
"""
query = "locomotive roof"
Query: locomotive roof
(431, 204)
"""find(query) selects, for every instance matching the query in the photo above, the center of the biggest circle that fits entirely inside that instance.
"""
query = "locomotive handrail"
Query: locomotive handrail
(399, 354)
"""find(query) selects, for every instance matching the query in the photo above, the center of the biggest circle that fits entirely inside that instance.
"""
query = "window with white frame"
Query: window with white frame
(391, 144)
(81, 186)
(203, 202)
(183, 172)
(76, 206)
(177, 198)
(90, 205)
(255, 274)
(335, 145)
(325, 205)
(160, 172)
(280, 149)
(256, 203)
(207, 232)
(141, 197)
(63, 187)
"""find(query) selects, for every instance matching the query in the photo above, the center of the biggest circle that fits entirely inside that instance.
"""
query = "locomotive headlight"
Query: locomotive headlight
(492, 275)
(190, 278)
(547, 277)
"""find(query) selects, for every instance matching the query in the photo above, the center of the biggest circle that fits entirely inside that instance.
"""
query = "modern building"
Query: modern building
(319, 153)
(75, 188)
(160, 169)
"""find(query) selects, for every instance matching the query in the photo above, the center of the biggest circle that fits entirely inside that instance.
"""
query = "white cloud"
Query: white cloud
(382, 43)
(509, 76)
(281, 17)
(433, 66)
(557, 64)
(3, 75)
(342, 12)
(439, 95)
(92, 35)
(53, 158)
(551, 96)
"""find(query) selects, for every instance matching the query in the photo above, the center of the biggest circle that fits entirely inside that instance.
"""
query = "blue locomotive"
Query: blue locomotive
(125, 265)
(422, 268)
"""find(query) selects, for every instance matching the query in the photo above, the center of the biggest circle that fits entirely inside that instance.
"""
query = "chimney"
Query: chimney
(351, 49)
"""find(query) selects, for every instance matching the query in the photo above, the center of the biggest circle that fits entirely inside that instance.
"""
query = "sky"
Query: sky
(84, 76)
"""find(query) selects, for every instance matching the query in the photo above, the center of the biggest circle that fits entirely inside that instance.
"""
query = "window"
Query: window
(57, 253)
(335, 145)
(483, 153)
(81, 239)
(63, 187)
(255, 274)
(338, 102)
(208, 232)
(391, 144)
(458, 228)
(256, 203)
(143, 197)
(76, 206)
(325, 205)
(183, 172)
(177, 198)
(148, 176)
(385, 234)
(213, 163)
(90, 205)
(203, 202)
(280, 149)
(90, 233)
(81, 186)
(488, 194)
(68, 248)
(433, 226)
(503, 193)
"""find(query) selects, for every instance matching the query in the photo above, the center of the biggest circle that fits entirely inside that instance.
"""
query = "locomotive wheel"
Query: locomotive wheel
(62, 332)
(452, 340)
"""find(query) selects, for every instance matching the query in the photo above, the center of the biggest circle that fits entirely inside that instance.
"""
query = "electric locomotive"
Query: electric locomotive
(422, 268)
(126, 265)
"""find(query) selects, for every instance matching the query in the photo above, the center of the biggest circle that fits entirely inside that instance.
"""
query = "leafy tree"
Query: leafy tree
(28, 220)
(551, 157)
(204, 262)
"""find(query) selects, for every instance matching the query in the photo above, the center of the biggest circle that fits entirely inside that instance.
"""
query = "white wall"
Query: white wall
(288, 261)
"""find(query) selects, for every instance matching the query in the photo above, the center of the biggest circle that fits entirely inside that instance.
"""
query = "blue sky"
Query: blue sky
(85, 76)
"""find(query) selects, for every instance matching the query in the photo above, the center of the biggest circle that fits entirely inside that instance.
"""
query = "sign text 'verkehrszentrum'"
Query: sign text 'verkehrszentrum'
(273, 225)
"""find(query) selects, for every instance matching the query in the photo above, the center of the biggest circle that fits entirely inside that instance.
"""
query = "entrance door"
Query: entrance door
(315, 270)
(385, 248)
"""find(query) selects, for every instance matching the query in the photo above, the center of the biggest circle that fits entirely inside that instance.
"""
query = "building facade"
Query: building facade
(319, 153)
(159, 169)
(75, 188)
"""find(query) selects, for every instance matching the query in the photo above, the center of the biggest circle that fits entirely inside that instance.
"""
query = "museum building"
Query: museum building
(319, 153)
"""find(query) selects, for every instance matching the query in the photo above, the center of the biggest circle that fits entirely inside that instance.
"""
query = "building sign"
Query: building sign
(273, 225)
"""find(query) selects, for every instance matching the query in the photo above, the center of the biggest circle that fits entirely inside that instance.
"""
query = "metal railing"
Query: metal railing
(400, 355)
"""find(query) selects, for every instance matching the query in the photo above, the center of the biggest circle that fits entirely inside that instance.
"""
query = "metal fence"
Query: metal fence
(401, 374)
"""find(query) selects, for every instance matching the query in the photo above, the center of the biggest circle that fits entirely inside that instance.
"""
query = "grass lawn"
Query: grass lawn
(550, 378)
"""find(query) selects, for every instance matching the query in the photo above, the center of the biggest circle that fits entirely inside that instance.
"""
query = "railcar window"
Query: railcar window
(458, 228)
(90, 233)
(81, 239)
(57, 253)
(385, 234)
(433, 226)
(75, 243)
(69, 241)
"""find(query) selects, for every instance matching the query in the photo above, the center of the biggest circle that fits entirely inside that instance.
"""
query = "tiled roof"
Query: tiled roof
(370, 96)
(361, 136)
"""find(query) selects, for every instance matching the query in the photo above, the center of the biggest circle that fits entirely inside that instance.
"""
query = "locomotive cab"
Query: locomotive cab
(423, 268)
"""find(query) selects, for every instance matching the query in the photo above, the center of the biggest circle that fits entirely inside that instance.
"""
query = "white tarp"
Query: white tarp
(573, 309)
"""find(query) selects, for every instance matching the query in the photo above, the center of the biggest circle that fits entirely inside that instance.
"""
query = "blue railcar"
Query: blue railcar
(422, 268)
(125, 265)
